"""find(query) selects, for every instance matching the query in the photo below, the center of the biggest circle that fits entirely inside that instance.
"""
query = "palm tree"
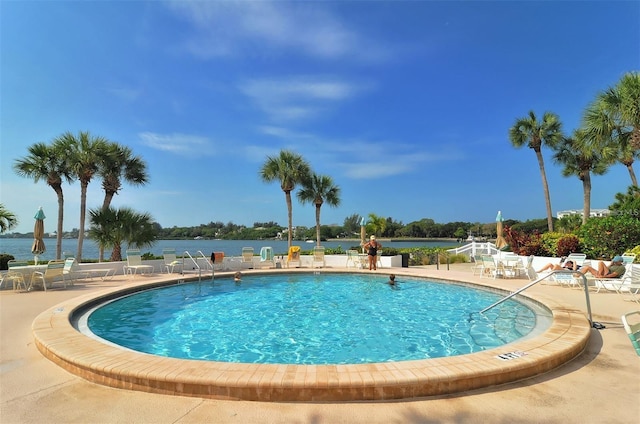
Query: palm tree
(376, 224)
(581, 157)
(117, 164)
(614, 119)
(110, 228)
(319, 189)
(290, 169)
(7, 219)
(85, 152)
(530, 131)
(48, 163)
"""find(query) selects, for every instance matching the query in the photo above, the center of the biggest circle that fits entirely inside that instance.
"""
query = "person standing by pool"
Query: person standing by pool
(372, 252)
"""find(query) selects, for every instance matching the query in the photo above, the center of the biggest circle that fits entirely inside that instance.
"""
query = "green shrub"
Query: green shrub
(635, 251)
(609, 236)
(4, 260)
(549, 242)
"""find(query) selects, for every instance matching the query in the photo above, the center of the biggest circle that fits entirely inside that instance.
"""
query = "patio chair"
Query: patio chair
(13, 275)
(134, 263)
(628, 283)
(171, 261)
(628, 258)
(217, 260)
(477, 265)
(72, 271)
(490, 267)
(266, 257)
(318, 257)
(54, 273)
(293, 257)
(353, 259)
(631, 323)
(247, 256)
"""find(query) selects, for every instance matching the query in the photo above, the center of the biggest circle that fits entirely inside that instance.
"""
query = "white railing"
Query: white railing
(476, 248)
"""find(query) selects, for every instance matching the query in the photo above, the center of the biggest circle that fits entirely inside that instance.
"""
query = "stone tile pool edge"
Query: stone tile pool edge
(60, 342)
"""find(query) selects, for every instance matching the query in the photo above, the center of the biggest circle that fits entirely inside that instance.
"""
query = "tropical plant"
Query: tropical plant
(85, 153)
(110, 228)
(613, 118)
(319, 189)
(118, 164)
(534, 134)
(569, 223)
(7, 219)
(609, 236)
(627, 203)
(289, 169)
(376, 224)
(48, 163)
(524, 244)
(568, 244)
(581, 157)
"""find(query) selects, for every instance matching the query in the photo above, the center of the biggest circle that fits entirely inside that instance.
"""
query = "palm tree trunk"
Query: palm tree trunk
(545, 188)
(83, 211)
(586, 185)
(287, 195)
(632, 174)
(318, 225)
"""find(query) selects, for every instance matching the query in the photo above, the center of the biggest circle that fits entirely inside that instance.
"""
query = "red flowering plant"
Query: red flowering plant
(524, 244)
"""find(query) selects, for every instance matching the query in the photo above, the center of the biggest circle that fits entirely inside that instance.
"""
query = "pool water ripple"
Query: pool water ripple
(311, 319)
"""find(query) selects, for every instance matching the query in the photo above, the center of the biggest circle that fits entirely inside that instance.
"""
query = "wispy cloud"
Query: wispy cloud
(232, 28)
(298, 97)
(182, 144)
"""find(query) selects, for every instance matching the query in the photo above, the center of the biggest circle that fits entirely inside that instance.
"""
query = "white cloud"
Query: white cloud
(233, 28)
(300, 97)
(183, 144)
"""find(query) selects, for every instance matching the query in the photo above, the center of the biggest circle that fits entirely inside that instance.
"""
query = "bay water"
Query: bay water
(20, 248)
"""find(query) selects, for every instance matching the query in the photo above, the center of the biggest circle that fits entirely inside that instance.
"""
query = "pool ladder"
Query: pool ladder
(586, 294)
(196, 263)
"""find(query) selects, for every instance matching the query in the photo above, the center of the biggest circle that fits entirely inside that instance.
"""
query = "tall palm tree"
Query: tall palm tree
(85, 152)
(582, 157)
(119, 163)
(534, 133)
(110, 228)
(7, 219)
(319, 189)
(290, 169)
(49, 163)
(614, 119)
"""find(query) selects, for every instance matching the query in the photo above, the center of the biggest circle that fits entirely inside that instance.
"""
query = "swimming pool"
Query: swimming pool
(312, 319)
(58, 340)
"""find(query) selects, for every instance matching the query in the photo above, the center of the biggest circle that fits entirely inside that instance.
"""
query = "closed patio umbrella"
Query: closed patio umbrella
(500, 241)
(363, 231)
(38, 247)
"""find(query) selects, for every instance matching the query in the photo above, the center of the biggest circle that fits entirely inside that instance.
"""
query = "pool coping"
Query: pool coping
(60, 342)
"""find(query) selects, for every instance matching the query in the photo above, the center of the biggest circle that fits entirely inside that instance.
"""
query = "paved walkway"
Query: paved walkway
(600, 386)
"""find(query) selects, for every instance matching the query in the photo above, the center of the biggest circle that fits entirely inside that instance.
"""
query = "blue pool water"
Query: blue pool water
(311, 319)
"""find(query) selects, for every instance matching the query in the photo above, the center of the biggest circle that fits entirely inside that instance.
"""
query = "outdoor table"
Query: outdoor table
(27, 271)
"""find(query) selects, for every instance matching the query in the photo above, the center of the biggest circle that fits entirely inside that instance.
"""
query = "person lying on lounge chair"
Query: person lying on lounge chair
(566, 266)
(614, 270)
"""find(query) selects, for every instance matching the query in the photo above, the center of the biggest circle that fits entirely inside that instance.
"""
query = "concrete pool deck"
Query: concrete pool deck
(601, 385)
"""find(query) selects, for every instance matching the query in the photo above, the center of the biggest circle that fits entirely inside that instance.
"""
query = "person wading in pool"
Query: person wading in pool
(392, 281)
(372, 252)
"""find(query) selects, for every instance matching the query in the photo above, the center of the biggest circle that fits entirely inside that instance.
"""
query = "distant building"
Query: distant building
(593, 213)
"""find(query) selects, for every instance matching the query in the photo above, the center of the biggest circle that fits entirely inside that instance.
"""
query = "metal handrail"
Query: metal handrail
(584, 281)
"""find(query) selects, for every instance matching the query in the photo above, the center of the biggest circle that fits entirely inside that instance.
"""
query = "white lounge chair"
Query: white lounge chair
(134, 263)
(266, 257)
(171, 261)
(318, 257)
(247, 257)
(631, 323)
(72, 271)
(54, 273)
(490, 267)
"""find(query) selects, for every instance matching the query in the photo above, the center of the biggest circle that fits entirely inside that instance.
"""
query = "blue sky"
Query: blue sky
(405, 104)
